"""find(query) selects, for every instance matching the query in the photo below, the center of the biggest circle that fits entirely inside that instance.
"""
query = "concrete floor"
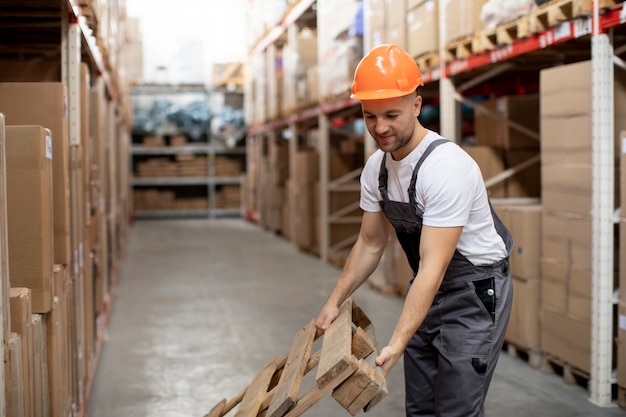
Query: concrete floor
(202, 305)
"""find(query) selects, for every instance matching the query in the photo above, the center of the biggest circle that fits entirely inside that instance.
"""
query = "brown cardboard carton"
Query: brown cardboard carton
(523, 328)
(422, 27)
(527, 182)
(307, 166)
(523, 110)
(57, 346)
(44, 104)
(491, 162)
(21, 324)
(41, 400)
(29, 167)
(395, 11)
(13, 377)
(566, 338)
(4, 245)
(525, 226)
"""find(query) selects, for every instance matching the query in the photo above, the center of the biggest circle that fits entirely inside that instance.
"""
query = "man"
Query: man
(456, 310)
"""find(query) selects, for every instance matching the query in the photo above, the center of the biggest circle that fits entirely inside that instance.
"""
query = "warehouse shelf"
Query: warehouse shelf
(510, 67)
(169, 150)
(568, 38)
(158, 181)
(160, 214)
(50, 40)
(294, 13)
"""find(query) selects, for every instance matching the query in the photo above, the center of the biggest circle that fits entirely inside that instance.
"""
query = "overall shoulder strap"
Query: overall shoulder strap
(427, 152)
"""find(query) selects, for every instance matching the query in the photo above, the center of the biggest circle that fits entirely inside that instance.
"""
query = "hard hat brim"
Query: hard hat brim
(381, 94)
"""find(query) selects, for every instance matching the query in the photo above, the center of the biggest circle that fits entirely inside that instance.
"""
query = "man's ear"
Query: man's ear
(417, 104)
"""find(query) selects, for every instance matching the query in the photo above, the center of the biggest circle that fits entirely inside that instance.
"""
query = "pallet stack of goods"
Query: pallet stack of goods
(65, 215)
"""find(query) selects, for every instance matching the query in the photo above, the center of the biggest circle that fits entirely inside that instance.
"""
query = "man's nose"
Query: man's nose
(381, 126)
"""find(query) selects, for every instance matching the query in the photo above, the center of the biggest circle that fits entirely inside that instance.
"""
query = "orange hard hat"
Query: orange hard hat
(385, 72)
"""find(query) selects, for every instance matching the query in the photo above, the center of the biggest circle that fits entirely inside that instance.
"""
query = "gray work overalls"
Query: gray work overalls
(450, 360)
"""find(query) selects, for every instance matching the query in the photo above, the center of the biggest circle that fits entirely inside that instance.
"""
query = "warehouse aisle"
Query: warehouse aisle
(202, 305)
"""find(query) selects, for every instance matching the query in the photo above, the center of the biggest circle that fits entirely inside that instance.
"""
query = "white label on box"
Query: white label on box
(623, 145)
(622, 322)
(48, 147)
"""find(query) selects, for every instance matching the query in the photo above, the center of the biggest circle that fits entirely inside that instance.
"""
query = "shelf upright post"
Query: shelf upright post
(324, 171)
(293, 150)
(369, 144)
(603, 151)
(449, 117)
(70, 71)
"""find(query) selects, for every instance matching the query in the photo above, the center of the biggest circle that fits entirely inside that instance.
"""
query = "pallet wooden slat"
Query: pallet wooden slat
(336, 346)
(257, 391)
(287, 389)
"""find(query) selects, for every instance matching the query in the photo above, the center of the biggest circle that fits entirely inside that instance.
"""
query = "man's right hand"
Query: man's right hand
(327, 315)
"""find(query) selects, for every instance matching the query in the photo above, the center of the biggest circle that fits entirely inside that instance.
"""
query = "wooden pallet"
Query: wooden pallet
(428, 61)
(344, 365)
(505, 34)
(571, 374)
(534, 357)
(558, 11)
(460, 48)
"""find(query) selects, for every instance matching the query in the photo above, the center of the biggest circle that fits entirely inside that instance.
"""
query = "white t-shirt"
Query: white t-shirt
(449, 189)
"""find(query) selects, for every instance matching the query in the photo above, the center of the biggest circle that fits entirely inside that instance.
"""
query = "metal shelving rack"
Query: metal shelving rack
(206, 148)
(603, 61)
(479, 68)
(77, 44)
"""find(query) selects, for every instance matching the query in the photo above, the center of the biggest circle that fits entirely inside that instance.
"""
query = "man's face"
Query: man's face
(392, 122)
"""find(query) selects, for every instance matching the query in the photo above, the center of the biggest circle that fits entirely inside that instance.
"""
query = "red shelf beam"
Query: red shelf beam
(564, 32)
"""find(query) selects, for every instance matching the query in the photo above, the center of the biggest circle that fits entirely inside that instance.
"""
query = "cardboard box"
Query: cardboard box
(527, 182)
(463, 18)
(31, 243)
(523, 110)
(395, 11)
(307, 166)
(491, 162)
(566, 95)
(523, 329)
(41, 399)
(13, 376)
(566, 338)
(57, 346)
(21, 313)
(422, 27)
(4, 243)
(525, 226)
(44, 104)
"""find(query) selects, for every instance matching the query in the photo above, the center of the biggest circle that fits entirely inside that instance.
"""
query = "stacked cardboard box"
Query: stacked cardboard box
(299, 58)
(274, 175)
(524, 223)
(339, 45)
(304, 201)
(566, 145)
(509, 146)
